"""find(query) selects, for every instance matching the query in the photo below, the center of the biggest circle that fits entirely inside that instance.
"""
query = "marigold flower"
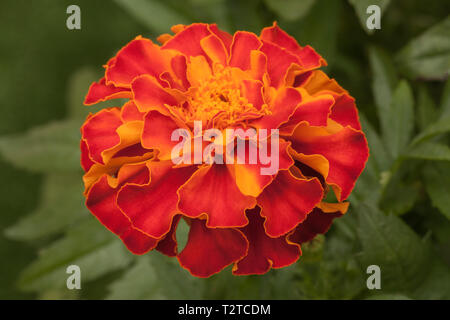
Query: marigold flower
(236, 214)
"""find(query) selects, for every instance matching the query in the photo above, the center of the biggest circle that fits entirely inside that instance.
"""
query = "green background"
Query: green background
(400, 208)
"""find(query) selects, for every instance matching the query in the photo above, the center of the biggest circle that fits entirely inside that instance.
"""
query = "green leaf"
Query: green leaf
(445, 100)
(89, 245)
(59, 208)
(426, 109)
(428, 55)
(437, 182)
(361, 10)
(439, 127)
(137, 283)
(384, 80)
(50, 148)
(436, 285)
(155, 15)
(290, 9)
(401, 120)
(377, 150)
(392, 245)
(429, 151)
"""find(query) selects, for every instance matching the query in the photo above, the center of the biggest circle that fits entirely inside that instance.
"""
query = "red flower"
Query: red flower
(236, 214)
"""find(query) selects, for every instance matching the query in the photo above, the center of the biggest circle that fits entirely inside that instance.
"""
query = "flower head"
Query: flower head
(202, 79)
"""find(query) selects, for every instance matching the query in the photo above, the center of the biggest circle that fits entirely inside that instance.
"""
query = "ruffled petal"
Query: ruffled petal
(241, 47)
(214, 49)
(308, 57)
(249, 177)
(278, 62)
(209, 192)
(346, 151)
(100, 91)
(86, 162)
(345, 112)
(264, 252)
(282, 108)
(188, 40)
(99, 132)
(314, 110)
(168, 245)
(151, 208)
(101, 201)
(287, 201)
(151, 60)
(157, 133)
(150, 95)
(208, 250)
(317, 222)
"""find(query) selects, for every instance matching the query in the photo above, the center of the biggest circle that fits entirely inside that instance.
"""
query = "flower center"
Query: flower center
(219, 102)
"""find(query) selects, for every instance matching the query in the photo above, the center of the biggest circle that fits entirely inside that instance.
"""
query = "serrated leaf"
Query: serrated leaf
(401, 120)
(361, 10)
(384, 80)
(59, 208)
(290, 9)
(155, 15)
(429, 151)
(392, 245)
(437, 182)
(428, 55)
(52, 147)
(88, 245)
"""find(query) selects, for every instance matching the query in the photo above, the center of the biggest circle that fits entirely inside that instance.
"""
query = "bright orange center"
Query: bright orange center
(219, 99)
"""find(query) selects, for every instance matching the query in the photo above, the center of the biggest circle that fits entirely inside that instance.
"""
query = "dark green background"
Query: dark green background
(39, 57)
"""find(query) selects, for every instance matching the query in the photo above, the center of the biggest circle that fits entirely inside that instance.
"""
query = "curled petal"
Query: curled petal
(249, 177)
(344, 111)
(209, 192)
(317, 222)
(241, 47)
(168, 245)
(130, 112)
(188, 40)
(287, 201)
(214, 49)
(151, 208)
(282, 108)
(101, 201)
(264, 252)
(86, 162)
(150, 95)
(99, 132)
(346, 151)
(100, 91)
(157, 133)
(308, 57)
(210, 250)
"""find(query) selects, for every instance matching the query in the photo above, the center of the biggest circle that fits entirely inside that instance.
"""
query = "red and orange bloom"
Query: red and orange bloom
(236, 215)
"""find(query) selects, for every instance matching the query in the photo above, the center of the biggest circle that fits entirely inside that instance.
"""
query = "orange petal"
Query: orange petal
(150, 95)
(241, 47)
(152, 61)
(287, 201)
(264, 252)
(346, 151)
(151, 208)
(99, 132)
(208, 251)
(157, 133)
(101, 201)
(188, 40)
(282, 108)
(317, 222)
(209, 192)
(100, 91)
(215, 49)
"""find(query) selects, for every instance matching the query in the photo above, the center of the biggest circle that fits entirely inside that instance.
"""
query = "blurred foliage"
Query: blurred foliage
(399, 217)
